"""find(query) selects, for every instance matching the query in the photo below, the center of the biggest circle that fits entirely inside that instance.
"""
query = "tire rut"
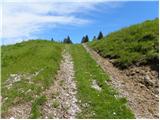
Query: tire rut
(61, 96)
(140, 99)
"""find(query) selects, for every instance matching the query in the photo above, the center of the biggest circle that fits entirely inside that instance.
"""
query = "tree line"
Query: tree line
(85, 38)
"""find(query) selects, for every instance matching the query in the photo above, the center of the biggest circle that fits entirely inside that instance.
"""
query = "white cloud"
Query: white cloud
(61, 1)
(22, 18)
(44, 1)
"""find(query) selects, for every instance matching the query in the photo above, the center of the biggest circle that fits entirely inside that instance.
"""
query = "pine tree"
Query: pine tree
(52, 40)
(67, 40)
(100, 36)
(94, 38)
(82, 41)
(85, 39)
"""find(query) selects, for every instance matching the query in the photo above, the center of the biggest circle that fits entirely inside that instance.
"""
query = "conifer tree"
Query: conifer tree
(85, 39)
(67, 40)
(82, 41)
(100, 36)
(94, 38)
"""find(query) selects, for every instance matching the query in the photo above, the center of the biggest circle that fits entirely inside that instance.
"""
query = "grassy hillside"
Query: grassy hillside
(137, 44)
(27, 69)
(96, 104)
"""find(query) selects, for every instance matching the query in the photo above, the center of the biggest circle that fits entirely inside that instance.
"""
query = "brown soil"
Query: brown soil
(141, 90)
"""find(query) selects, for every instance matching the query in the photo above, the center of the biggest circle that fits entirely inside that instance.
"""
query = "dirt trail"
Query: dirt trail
(140, 99)
(61, 97)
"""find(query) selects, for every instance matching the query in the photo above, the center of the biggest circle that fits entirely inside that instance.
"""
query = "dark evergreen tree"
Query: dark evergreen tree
(52, 40)
(67, 40)
(85, 39)
(94, 38)
(100, 36)
(82, 41)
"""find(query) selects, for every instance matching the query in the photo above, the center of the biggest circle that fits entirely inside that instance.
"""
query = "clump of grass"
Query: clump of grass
(100, 105)
(36, 110)
(61, 82)
(55, 103)
(137, 44)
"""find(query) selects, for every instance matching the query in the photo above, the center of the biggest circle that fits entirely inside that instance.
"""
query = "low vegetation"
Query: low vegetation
(95, 103)
(137, 44)
(28, 68)
(36, 107)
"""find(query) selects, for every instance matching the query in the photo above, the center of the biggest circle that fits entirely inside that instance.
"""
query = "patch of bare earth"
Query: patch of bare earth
(61, 97)
(138, 85)
(18, 111)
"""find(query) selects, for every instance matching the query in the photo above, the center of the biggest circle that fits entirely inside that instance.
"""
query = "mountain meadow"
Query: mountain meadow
(110, 77)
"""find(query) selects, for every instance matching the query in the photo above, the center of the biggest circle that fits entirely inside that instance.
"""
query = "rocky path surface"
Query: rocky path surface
(19, 111)
(61, 97)
(143, 102)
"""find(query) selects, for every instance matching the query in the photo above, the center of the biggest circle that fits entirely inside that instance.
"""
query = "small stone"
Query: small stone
(148, 81)
(28, 91)
(94, 113)
(95, 85)
(11, 118)
(137, 71)
(133, 73)
(13, 75)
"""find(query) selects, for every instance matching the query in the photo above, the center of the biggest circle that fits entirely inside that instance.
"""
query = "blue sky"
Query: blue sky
(39, 20)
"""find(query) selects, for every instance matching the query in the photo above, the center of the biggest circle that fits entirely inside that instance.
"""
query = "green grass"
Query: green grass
(28, 58)
(137, 44)
(55, 103)
(36, 107)
(102, 104)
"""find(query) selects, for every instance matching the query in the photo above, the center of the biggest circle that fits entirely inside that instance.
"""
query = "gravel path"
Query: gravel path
(140, 99)
(62, 102)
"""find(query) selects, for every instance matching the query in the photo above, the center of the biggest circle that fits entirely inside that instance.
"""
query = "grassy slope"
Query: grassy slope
(29, 57)
(104, 104)
(135, 44)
